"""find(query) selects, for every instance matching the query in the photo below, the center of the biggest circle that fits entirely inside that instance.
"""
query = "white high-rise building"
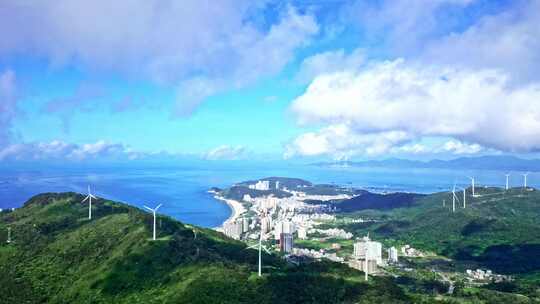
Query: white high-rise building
(245, 224)
(278, 229)
(260, 185)
(287, 226)
(233, 230)
(302, 233)
(368, 249)
(392, 255)
(265, 224)
(284, 226)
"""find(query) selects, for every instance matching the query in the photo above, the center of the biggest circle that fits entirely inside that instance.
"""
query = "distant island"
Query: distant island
(492, 162)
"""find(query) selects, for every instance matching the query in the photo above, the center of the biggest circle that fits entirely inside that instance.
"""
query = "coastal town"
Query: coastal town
(296, 221)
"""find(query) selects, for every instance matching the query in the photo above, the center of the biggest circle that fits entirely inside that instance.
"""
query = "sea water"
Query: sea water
(183, 188)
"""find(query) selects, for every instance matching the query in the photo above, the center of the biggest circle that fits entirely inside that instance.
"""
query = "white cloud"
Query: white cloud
(214, 45)
(473, 106)
(457, 147)
(341, 142)
(226, 152)
(508, 41)
(59, 150)
(330, 62)
(402, 26)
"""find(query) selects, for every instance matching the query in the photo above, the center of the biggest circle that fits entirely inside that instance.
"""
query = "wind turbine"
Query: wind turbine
(472, 183)
(261, 247)
(525, 179)
(154, 212)
(454, 198)
(464, 197)
(9, 235)
(89, 197)
(507, 175)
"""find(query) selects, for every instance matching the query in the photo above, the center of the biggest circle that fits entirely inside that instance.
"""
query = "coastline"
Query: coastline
(236, 207)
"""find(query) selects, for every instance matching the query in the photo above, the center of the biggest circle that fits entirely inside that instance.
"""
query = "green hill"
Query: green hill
(498, 230)
(57, 255)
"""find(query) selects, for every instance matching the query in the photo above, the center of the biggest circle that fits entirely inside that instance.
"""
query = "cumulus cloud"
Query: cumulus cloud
(403, 26)
(199, 47)
(226, 152)
(59, 150)
(458, 147)
(508, 41)
(8, 104)
(330, 62)
(471, 105)
(342, 142)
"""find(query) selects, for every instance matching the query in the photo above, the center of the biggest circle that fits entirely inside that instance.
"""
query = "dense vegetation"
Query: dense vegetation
(59, 256)
(368, 200)
(498, 230)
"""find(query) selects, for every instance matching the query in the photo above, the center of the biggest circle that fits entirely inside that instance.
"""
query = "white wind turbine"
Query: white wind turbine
(454, 198)
(154, 212)
(525, 179)
(507, 175)
(89, 197)
(9, 235)
(472, 184)
(464, 198)
(261, 247)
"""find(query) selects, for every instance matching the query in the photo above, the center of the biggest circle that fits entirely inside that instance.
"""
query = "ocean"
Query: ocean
(182, 189)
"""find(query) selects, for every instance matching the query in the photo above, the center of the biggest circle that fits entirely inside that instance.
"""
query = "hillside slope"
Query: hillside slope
(59, 256)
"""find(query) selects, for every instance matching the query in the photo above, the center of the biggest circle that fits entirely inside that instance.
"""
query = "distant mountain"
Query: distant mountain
(493, 162)
(57, 255)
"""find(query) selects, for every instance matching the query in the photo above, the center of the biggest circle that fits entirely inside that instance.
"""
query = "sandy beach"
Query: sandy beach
(236, 207)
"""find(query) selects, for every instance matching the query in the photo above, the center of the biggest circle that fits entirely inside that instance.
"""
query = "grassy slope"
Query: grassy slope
(58, 256)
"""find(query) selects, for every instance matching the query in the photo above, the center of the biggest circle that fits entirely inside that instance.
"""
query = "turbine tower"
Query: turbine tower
(525, 179)
(507, 175)
(472, 184)
(154, 212)
(260, 247)
(9, 235)
(464, 197)
(89, 197)
(454, 198)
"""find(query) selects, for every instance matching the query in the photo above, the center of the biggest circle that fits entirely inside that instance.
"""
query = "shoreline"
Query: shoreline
(236, 207)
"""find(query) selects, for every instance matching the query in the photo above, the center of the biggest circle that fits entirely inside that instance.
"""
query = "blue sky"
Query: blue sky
(301, 80)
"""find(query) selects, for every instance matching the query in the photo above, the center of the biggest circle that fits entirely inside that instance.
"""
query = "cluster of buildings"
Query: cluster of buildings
(367, 255)
(237, 228)
(263, 185)
(408, 251)
(334, 233)
(318, 254)
(486, 275)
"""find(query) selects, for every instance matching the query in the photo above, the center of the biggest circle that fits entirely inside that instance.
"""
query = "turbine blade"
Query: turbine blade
(265, 249)
(158, 207)
(85, 199)
(149, 208)
(252, 247)
(93, 196)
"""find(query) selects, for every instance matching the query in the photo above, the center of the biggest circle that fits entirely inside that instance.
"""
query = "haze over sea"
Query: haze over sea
(182, 188)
